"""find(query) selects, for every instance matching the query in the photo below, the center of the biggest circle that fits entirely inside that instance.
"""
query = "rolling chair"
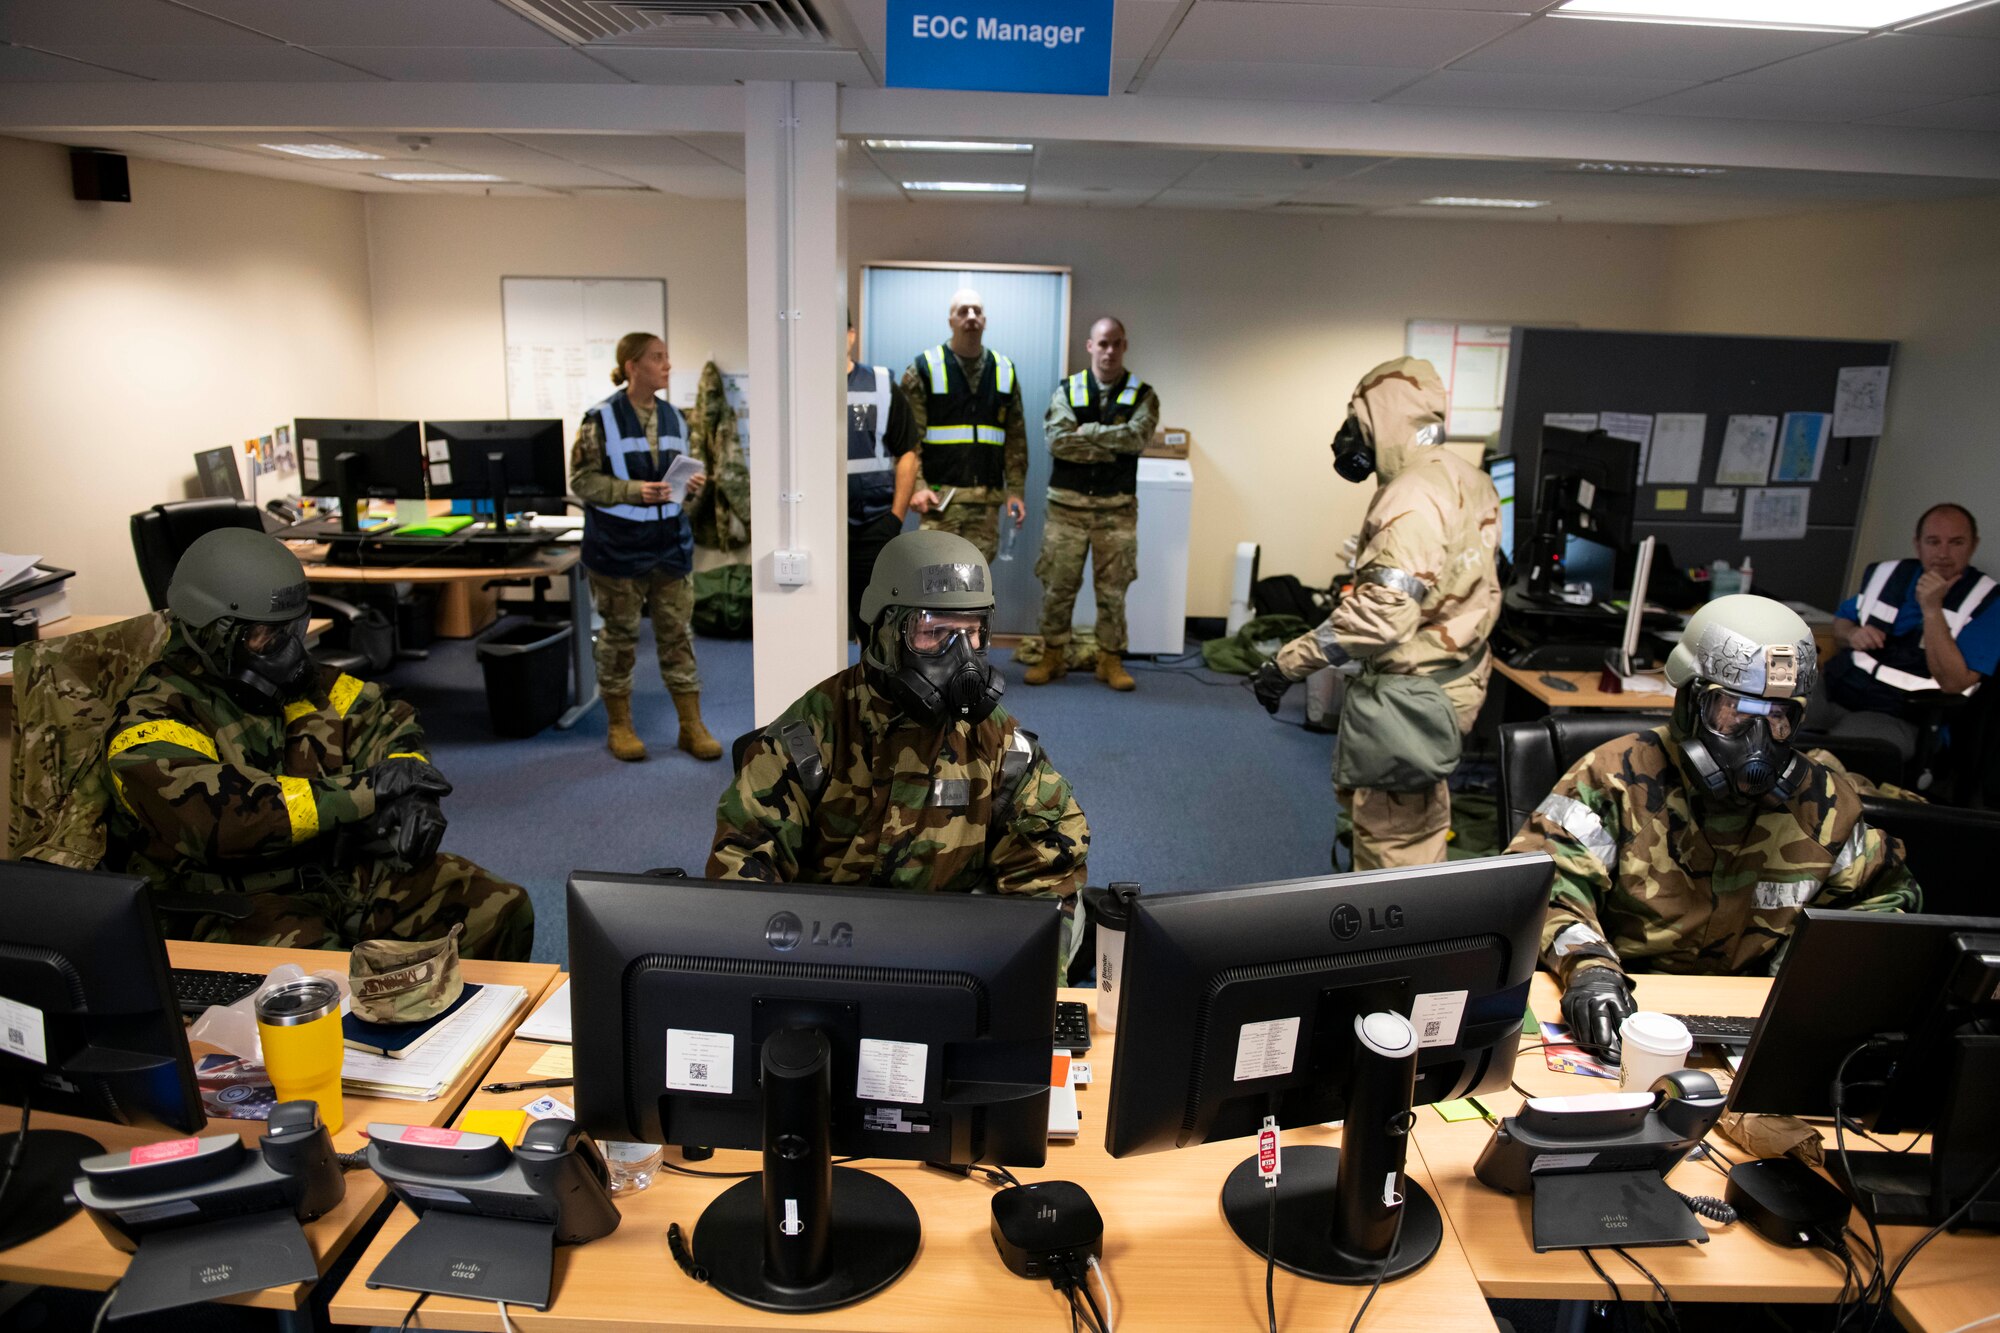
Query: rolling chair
(358, 641)
(1944, 848)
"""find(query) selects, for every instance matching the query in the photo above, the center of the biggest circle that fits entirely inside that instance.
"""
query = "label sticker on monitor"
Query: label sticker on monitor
(891, 1071)
(701, 1061)
(889, 1120)
(440, 474)
(1265, 1050)
(438, 450)
(21, 1031)
(1436, 1016)
(1586, 494)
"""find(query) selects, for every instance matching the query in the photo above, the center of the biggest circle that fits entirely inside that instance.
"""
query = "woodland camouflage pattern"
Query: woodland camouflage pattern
(209, 797)
(890, 816)
(1675, 882)
(720, 515)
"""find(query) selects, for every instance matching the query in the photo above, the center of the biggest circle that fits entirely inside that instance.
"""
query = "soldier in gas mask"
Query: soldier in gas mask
(904, 771)
(1692, 848)
(275, 802)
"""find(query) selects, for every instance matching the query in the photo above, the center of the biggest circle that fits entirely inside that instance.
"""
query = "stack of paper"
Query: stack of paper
(424, 1074)
(551, 1021)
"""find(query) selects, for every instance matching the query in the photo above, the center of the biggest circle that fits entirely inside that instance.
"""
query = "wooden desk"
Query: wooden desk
(76, 1254)
(1170, 1258)
(1586, 695)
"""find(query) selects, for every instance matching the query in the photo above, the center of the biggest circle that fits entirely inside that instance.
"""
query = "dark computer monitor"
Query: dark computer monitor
(1501, 470)
(217, 473)
(807, 1021)
(493, 462)
(1915, 1002)
(1586, 484)
(1345, 997)
(356, 459)
(91, 1028)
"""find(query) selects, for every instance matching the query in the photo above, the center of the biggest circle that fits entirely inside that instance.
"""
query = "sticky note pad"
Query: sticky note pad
(505, 1126)
(1529, 1027)
(1457, 1110)
(1669, 501)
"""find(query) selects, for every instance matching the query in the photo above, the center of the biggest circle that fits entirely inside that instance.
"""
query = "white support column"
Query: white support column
(796, 220)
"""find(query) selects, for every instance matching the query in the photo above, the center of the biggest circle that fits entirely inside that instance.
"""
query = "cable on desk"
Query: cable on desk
(1617, 1296)
(1673, 1317)
(411, 1313)
(677, 1246)
(1271, 1260)
(1395, 1239)
(1104, 1284)
(20, 1143)
(732, 1175)
(1895, 1274)
(1847, 1173)
(97, 1324)
(1978, 1323)
(505, 1322)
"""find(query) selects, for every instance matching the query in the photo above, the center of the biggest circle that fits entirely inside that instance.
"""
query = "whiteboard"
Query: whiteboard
(562, 336)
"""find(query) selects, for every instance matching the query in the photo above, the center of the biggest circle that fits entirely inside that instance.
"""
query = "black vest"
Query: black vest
(964, 439)
(1120, 476)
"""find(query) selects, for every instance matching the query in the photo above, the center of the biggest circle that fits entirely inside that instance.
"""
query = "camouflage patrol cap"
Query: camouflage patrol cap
(932, 571)
(405, 981)
(1748, 644)
(237, 574)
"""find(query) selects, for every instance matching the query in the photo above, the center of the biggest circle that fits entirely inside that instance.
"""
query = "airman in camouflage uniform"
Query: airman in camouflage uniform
(1098, 423)
(1426, 595)
(965, 402)
(720, 513)
(300, 795)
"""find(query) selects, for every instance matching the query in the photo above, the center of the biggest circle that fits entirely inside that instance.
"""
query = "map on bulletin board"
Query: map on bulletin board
(1472, 361)
(562, 337)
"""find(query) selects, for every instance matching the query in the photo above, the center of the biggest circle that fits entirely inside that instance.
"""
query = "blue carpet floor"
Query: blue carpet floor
(1186, 782)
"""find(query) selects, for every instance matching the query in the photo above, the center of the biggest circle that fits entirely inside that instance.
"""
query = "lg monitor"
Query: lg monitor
(1501, 470)
(216, 471)
(357, 459)
(1899, 1017)
(493, 462)
(805, 1021)
(90, 1029)
(1345, 997)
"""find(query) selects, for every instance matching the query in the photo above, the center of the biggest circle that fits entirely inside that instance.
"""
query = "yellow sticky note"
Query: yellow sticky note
(1460, 1109)
(556, 1062)
(505, 1126)
(1670, 500)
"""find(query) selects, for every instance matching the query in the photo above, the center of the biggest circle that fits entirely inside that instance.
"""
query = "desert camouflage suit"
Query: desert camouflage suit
(209, 797)
(974, 511)
(1427, 594)
(720, 515)
(1104, 527)
(1652, 876)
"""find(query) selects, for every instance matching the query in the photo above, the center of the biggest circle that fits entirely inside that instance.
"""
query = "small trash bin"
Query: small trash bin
(527, 674)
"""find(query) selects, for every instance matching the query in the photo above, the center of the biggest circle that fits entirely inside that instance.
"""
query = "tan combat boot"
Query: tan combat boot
(1053, 666)
(623, 742)
(694, 736)
(1113, 673)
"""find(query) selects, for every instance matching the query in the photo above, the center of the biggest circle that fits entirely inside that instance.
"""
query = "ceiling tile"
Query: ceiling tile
(1138, 24)
(1214, 199)
(656, 65)
(1281, 173)
(1942, 66)
(724, 148)
(1747, 99)
(57, 26)
(1531, 92)
(999, 168)
(1967, 113)
(483, 64)
(1080, 166)
(709, 182)
(1639, 50)
(18, 64)
(1092, 196)
(1981, 22)
(1255, 81)
(268, 63)
(615, 152)
(447, 23)
(1331, 34)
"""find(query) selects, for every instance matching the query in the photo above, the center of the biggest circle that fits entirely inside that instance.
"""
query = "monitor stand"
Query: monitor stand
(39, 1199)
(1334, 1223)
(1922, 1189)
(496, 485)
(347, 468)
(803, 1234)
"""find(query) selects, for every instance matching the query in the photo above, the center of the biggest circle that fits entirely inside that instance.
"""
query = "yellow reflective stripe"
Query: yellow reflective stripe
(934, 362)
(163, 729)
(343, 694)
(948, 434)
(299, 708)
(1079, 392)
(1005, 380)
(300, 807)
(411, 754)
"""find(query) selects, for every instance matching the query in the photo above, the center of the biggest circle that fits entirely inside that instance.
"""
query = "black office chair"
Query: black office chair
(359, 640)
(1944, 848)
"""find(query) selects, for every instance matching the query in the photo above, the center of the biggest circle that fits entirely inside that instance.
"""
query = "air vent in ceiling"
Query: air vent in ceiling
(741, 24)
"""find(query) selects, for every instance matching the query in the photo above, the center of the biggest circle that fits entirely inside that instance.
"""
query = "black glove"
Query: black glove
(393, 779)
(407, 832)
(1596, 1001)
(1269, 685)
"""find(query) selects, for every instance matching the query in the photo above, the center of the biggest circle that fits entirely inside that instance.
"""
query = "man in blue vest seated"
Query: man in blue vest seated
(1917, 625)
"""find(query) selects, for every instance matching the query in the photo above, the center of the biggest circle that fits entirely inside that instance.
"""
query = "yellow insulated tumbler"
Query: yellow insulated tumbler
(299, 1025)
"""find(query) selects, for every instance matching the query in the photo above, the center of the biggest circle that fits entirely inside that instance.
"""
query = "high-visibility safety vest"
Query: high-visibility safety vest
(963, 431)
(1900, 663)
(871, 468)
(1111, 407)
(628, 540)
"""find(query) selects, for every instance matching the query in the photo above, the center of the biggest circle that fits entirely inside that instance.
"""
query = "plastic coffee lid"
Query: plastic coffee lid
(1386, 1033)
(1660, 1033)
(297, 1002)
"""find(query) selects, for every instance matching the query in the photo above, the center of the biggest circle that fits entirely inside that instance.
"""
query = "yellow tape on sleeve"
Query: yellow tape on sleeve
(300, 808)
(162, 729)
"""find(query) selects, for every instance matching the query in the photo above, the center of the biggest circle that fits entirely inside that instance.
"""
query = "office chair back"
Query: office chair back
(160, 536)
(1944, 848)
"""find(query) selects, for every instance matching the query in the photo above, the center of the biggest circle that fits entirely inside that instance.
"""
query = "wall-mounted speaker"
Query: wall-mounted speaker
(97, 175)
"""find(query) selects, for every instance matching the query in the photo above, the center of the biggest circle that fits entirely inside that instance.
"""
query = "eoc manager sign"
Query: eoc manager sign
(1001, 46)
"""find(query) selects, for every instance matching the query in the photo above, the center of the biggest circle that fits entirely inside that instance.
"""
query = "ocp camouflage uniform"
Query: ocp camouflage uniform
(974, 511)
(1651, 876)
(1097, 513)
(720, 515)
(1426, 596)
(212, 799)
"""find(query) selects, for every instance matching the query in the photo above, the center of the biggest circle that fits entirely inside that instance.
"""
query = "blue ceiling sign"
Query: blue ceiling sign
(1001, 46)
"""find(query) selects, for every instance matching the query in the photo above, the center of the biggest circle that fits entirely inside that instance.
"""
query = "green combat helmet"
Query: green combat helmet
(930, 598)
(239, 597)
(1741, 675)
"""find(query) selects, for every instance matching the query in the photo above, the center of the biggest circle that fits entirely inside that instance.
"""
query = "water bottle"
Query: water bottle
(1008, 531)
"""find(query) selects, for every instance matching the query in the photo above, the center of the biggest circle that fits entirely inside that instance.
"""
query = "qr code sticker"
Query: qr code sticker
(698, 1072)
(16, 1037)
(1432, 1028)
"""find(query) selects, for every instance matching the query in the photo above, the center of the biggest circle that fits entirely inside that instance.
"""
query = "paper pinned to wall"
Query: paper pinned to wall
(1746, 451)
(1471, 359)
(1670, 501)
(1582, 421)
(1634, 426)
(1718, 500)
(1775, 513)
(1860, 400)
(1676, 455)
(1801, 446)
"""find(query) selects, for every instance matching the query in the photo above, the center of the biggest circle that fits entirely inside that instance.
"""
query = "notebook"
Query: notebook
(425, 1073)
(397, 1040)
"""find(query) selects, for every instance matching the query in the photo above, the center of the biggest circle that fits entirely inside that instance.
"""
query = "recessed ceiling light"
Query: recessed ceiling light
(965, 187)
(329, 151)
(1467, 201)
(946, 146)
(1836, 15)
(1648, 169)
(447, 177)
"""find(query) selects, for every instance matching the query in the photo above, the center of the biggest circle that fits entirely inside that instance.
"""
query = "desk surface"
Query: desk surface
(1171, 1260)
(76, 1254)
(557, 560)
(315, 627)
(1586, 694)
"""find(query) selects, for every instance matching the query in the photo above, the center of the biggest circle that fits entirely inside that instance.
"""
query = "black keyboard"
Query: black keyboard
(196, 989)
(1072, 1026)
(1560, 657)
(1718, 1030)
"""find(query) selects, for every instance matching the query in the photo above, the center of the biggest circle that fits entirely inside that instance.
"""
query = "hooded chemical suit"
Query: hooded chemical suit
(1426, 595)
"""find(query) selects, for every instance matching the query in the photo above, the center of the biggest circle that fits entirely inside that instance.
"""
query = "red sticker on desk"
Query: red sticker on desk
(431, 1138)
(171, 1150)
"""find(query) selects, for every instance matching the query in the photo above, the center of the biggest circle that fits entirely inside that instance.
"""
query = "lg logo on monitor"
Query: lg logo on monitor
(785, 932)
(1347, 920)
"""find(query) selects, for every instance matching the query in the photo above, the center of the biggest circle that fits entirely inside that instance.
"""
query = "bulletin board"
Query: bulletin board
(1564, 376)
(562, 337)
(1472, 361)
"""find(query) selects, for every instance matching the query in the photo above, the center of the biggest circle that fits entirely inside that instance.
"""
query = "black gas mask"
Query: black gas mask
(1353, 452)
(1740, 745)
(936, 667)
(268, 662)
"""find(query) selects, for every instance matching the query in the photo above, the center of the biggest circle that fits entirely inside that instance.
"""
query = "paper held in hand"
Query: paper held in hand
(678, 473)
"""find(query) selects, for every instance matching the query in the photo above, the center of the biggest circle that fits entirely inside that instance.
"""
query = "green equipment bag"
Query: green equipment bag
(722, 602)
(1399, 732)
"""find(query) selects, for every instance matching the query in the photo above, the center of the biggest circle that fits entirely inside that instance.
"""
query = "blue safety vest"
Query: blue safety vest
(871, 468)
(631, 541)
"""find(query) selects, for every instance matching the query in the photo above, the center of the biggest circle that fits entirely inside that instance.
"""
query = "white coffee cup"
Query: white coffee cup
(1651, 1045)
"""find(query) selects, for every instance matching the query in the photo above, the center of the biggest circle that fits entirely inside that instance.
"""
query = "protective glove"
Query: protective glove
(408, 832)
(1596, 1001)
(393, 779)
(1269, 685)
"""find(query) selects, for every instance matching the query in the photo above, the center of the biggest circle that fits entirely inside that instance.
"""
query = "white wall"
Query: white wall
(209, 310)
